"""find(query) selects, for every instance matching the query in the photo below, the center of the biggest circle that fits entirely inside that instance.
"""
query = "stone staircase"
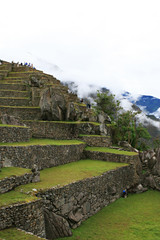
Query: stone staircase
(52, 211)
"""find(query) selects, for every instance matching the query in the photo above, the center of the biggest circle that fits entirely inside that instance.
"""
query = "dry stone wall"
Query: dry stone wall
(78, 201)
(43, 156)
(26, 216)
(10, 183)
(59, 130)
(14, 134)
(97, 141)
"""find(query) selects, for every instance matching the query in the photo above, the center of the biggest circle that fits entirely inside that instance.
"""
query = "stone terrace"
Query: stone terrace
(71, 189)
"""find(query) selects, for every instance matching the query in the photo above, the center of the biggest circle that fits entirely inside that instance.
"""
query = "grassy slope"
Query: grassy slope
(13, 171)
(68, 173)
(134, 218)
(35, 141)
(14, 234)
(110, 150)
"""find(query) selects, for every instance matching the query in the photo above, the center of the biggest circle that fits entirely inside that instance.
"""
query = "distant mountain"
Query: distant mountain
(149, 104)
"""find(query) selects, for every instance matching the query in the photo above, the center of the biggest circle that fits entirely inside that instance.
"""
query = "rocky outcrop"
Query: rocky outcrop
(150, 161)
(126, 146)
(53, 105)
(103, 119)
(55, 225)
(73, 112)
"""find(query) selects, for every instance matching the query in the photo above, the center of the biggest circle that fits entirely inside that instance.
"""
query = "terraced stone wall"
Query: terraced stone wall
(78, 201)
(14, 134)
(43, 156)
(10, 183)
(22, 112)
(26, 216)
(99, 141)
(60, 130)
(111, 157)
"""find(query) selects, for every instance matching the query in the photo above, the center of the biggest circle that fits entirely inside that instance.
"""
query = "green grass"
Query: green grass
(15, 234)
(110, 150)
(13, 171)
(68, 173)
(6, 125)
(67, 122)
(23, 98)
(83, 135)
(134, 218)
(43, 142)
(13, 197)
(27, 107)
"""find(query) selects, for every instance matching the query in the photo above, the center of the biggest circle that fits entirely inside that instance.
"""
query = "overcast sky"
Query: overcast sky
(111, 43)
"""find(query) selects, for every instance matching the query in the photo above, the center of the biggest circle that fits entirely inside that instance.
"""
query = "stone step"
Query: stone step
(13, 86)
(96, 140)
(25, 113)
(14, 101)
(3, 71)
(12, 133)
(15, 78)
(22, 74)
(13, 93)
(5, 81)
(5, 67)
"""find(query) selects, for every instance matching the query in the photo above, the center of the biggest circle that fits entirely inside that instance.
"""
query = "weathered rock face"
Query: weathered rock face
(53, 105)
(73, 112)
(104, 118)
(127, 146)
(55, 225)
(151, 165)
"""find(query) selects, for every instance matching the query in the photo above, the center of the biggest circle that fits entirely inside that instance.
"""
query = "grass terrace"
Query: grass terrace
(6, 125)
(110, 150)
(13, 197)
(134, 218)
(42, 142)
(16, 234)
(83, 135)
(27, 98)
(13, 171)
(6, 90)
(67, 122)
(27, 107)
(68, 173)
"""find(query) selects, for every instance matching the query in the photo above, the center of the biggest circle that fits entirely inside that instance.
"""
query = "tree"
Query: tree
(128, 129)
(107, 103)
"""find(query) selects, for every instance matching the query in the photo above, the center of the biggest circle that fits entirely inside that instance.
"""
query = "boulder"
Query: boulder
(53, 105)
(104, 118)
(35, 81)
(56, 226)
(73, 112)
(127, 146)
(103, 129)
